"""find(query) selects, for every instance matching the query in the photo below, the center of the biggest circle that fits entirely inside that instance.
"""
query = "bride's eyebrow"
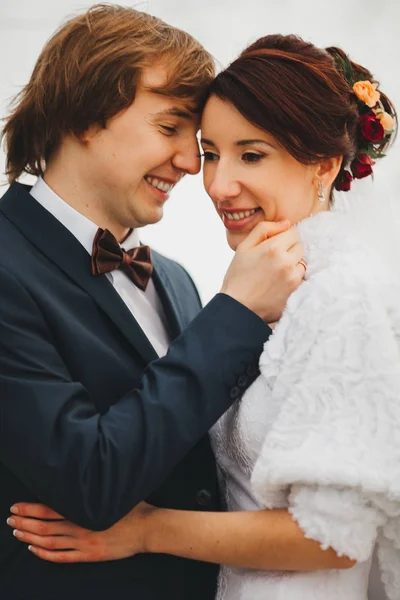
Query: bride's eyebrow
(207, 142)
(241, 142)
(255, 141)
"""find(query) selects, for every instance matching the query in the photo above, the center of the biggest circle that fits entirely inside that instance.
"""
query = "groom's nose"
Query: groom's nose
(187, 157)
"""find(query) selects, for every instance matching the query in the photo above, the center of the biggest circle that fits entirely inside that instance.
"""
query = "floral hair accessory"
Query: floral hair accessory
(370, 128)
(361, 166)
(374, 128)
(386, 120)
(343, 181)
(366, 92)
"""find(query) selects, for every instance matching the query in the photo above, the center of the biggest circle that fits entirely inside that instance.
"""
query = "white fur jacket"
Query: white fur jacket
(332, 373)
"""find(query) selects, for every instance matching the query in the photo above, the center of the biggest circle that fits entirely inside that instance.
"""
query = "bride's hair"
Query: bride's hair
(304, 97)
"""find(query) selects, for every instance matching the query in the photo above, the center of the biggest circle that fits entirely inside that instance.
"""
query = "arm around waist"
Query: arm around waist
(94, 468)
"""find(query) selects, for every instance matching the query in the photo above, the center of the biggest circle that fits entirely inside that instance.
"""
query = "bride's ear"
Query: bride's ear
(327, 171)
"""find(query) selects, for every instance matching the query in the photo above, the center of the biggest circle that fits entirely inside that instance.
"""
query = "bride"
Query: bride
(310, 457)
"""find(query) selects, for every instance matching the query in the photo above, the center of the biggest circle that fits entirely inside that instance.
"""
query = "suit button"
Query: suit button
(242, 381)
(252, 370)
(235, 392)
(203, 497)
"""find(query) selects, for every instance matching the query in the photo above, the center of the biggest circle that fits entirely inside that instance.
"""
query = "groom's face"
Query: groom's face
(143, 152)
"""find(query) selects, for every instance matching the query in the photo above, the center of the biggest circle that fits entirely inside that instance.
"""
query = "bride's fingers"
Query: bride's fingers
(41, 528)
(37, 511)
(61, 556)
(49, 542)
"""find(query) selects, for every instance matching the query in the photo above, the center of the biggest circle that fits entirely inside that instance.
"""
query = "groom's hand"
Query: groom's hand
(266, 269)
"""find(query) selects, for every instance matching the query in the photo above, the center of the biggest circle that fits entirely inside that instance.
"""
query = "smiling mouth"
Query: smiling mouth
(239, 219)
(160, 184)
(238, 215)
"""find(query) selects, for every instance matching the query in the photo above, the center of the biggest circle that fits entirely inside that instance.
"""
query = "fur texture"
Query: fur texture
(319, 431)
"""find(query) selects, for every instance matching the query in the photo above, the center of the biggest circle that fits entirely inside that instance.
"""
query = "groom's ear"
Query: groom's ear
(327, 170)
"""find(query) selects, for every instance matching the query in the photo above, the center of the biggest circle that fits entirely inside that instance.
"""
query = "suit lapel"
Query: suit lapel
(169, 298)
(49, 236)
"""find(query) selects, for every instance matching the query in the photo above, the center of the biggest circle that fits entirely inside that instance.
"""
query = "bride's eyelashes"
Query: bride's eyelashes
(247, 157)
(209, 156)
(252, 157)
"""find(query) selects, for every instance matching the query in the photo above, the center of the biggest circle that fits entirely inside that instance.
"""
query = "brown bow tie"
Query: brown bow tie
(107, 255)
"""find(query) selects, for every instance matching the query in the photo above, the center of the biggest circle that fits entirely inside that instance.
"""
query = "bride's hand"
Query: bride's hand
(52, 538)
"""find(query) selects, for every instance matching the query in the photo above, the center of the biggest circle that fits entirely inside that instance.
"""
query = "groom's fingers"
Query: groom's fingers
(280, 243)
(263, 231)
(37, 511)
(296, 253)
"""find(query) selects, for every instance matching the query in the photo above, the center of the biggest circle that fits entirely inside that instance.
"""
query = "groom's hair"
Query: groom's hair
(89, 71)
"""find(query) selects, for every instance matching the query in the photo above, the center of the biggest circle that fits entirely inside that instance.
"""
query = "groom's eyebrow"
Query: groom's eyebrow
(174, 112)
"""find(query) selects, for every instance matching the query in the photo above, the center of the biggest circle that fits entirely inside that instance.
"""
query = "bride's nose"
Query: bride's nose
(223, 185)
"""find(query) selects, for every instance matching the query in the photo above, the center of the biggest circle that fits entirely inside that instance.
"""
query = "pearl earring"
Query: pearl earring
(321, 196)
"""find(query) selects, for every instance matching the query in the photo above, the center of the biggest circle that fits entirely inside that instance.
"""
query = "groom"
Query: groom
(92, 420)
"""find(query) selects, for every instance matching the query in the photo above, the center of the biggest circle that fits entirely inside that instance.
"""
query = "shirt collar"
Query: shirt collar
(81, 227)
(132, 241)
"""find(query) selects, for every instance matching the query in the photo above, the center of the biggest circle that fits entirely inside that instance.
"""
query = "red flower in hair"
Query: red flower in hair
(362, 166)
(371, 127)
(343, 181)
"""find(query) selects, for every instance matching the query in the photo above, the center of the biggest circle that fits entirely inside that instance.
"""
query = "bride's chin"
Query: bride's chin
(234, 239)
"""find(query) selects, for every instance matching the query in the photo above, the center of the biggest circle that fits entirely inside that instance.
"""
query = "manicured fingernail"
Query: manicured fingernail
(14, 510)
(11, 522)
(32, 549)
(18, 534)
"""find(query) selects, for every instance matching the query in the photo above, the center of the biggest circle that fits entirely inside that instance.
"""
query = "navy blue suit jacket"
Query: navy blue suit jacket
(91, 421)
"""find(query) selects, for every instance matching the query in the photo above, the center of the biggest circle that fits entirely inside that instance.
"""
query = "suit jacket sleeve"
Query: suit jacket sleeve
(94, 468)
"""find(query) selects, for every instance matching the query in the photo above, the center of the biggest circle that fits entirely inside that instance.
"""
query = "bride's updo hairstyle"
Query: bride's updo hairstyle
(316, 103)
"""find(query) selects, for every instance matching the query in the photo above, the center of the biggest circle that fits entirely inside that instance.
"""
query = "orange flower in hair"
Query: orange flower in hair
(386, 120)
(367, 92)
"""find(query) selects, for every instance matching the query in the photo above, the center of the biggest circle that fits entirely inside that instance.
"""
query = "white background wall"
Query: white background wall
(368, 30)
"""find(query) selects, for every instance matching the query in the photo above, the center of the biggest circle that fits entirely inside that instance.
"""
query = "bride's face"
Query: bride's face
(249, 176)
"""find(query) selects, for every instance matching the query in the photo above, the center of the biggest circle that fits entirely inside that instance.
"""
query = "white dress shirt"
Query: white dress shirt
(145, 306)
